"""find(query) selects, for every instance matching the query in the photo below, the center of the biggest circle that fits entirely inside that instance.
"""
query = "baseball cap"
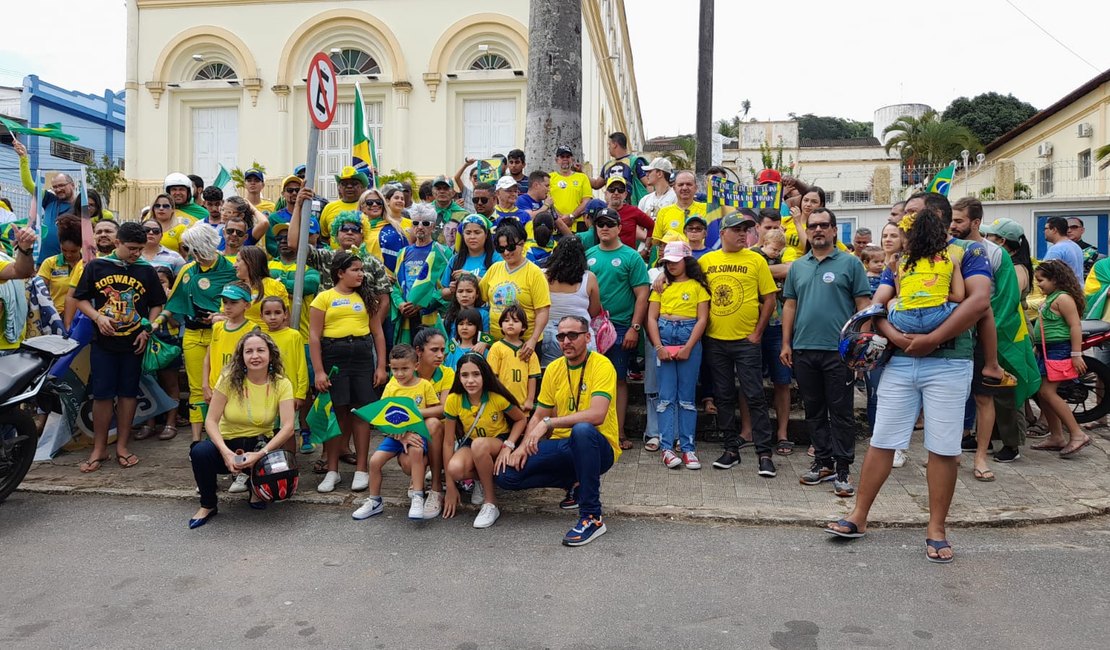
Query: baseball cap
(441, 180)
(769, 176)
(507, 183)
(314, 226)
(661, 164)
(563, 150)
(616, 179)
(695, 217)
(676, 251)
(1007, 229)
(289, 179)
(594, 206)
(298, 170)
(254, 173)
(233, 292)
(280, 228)
(608, 215)
(736, 219)
(350, 172)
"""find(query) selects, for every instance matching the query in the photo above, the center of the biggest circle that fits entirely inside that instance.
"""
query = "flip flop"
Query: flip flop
(652, 444)
(1036, 430)
(626, 444)
(90, 466)
(320, 466)
(1006, 381)
(1068, 453)
(937, 545)
(349, 458)
(984, 475)
(1044, 447)
(130, 460)
(784, 448)
(853, 530)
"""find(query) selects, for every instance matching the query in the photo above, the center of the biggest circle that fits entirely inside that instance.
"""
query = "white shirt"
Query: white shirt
(652, 203)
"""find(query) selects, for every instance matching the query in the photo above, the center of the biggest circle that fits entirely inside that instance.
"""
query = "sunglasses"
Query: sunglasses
(235, 231)
(819, 226)
(161, 206)
(350, 229)
(481, 199)
(607, 224)
(425, 224)
(184, 249)
(292, 190)
(152, 230)
(573, 336)
(372, 202)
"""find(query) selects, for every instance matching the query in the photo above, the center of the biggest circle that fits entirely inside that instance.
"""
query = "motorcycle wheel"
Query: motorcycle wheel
(18, 440)
(1086, 395)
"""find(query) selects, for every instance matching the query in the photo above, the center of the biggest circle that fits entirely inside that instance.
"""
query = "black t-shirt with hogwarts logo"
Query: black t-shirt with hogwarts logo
(123, 292)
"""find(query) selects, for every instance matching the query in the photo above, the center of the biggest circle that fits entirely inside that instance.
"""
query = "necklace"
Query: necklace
(247, 398)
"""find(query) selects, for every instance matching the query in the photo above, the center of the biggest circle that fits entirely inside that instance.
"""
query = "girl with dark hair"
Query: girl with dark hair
(96, 208)
(1061, 336)
(251, 267)
(345, 336)
(474, 253)
(484, 420)
(794, 226)
(467, 296)
(250, 395)
(928, 283)
(466, 333)
(574, 292)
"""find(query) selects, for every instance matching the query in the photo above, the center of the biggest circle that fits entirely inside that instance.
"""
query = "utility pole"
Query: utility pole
(554, 80)
(704, 126)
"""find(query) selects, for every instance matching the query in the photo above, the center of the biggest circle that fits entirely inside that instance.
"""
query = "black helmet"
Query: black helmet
(860, 350)
(275, 477)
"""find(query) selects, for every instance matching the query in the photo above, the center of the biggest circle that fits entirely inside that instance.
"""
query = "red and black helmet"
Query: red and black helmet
(275, 477)
(861, 346)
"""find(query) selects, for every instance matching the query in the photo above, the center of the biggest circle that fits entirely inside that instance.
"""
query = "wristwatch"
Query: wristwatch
(547, 423)
(636, 326)
(509, 444)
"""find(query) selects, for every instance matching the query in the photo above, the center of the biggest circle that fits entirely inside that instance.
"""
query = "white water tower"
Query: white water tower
(886, 115)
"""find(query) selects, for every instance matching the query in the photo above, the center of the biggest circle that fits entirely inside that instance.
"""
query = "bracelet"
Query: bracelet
(509, 443)
(1076, 354)
(28, 252)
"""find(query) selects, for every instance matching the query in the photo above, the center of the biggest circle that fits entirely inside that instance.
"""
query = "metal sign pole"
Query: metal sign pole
(306, 217)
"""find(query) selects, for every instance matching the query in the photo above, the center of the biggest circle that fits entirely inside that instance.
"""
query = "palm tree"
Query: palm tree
(1103, 152)
(687, 153)
(928, 141)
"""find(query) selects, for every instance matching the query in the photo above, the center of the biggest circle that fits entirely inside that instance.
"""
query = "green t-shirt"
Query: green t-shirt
(588, 238)
(618, 272)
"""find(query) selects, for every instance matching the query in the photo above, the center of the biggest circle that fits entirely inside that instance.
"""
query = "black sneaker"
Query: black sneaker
(767, 467)
(971, 443)
(842, 484)
(818, 473)
(570, 501)
(728, 460)
(1007, 454)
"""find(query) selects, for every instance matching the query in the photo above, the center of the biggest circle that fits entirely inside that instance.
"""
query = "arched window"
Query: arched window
(215, 72)
(490, 62)
(354, 62)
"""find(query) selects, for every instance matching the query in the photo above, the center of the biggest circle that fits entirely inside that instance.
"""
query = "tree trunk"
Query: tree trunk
(704, 124)
(554, 81)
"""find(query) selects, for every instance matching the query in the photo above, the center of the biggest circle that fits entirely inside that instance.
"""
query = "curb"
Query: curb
(1078, 510)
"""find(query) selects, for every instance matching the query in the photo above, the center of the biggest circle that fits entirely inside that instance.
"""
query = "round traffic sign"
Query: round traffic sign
(322, 91)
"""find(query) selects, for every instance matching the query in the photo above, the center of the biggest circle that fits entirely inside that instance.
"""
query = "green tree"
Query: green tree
(684, 158)
(927, 140)
(988, 115)
(731, 128)
(772, 158)
(821, 127)
(105, 177)
(398, 177)
(237, 174)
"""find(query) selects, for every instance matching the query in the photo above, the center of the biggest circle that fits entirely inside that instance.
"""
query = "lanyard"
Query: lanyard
(581, 380)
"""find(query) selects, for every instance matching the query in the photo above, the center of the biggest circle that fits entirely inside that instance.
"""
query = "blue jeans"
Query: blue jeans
(581, 458)
(618, 355)
(921, 320)
(651, 397)
(678, 384)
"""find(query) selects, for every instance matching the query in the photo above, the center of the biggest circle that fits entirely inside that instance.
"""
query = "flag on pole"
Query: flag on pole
(224, 182)
(394, 416)
(364, 154)
(942, 182)
(52, 130)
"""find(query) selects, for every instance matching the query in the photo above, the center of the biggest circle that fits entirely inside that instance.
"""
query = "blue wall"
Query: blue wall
(1094, 225)
(97, 121)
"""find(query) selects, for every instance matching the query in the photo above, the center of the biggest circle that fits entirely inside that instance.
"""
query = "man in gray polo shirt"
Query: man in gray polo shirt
(822, 290)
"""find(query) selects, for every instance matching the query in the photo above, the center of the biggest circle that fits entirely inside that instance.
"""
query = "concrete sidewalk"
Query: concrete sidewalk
(1038, 488)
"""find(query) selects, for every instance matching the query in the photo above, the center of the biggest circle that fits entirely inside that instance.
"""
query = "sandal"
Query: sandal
(811, 452)
(652, 444)
(937, 545)
(144, 432)
(1046, 447)
(784, 448)
(130, 460)
(1069, 451)
(320, 467)
(626, 444)
(349, 458)
(1091, 426)
(851, 533)
(1005, 381)
(168, 433)
(90, 466)
(1036, 430)
(984, 475)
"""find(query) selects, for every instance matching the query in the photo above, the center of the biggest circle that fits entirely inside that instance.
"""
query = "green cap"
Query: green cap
(1007, 229)
(235, 292)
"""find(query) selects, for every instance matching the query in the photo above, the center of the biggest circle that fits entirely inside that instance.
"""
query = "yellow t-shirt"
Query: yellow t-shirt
(495, 416)
(441, 379)
(331, 211)
(526, 286)
(680, 299)
(569, 390)
(423, 393)
(567, 192)
(291, 346)
(265, 206)
(344, 314)
(926, 284)
(75, 274)
(673, 219)
(270, 287)
(171, 237)
(252, 414)
(794, 248)
(55, 272)
(736, 282)
(222, 348)
(513, 372)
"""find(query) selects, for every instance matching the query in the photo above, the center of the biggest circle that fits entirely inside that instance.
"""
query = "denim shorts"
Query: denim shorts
(773, 367)
(1057, 351)
(618, 355)
(113, 374)
(909, 383)
(393, 446)
(920, 320)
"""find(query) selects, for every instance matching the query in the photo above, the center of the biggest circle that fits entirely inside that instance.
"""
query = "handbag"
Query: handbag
(1055, 369)
(604, 332)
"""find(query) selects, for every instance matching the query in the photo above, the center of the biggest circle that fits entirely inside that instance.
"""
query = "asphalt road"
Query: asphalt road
(125, 572)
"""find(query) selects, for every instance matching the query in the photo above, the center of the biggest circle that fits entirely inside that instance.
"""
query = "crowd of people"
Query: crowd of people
(515, 313)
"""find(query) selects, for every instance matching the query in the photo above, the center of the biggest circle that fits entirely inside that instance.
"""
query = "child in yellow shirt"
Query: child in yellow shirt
(516, 375)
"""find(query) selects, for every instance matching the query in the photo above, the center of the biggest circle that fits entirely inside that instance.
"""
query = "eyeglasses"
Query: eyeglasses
(292, 190)
(819, 226)
(350, 229)
(607, 224)
(235, 231)
(481, 199)
(152, 230)
(372, 202)
(161, 206)
(505, 248)
(573, 336)
(425, 224)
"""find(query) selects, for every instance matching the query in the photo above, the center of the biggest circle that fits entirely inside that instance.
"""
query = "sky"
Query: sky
(843, 59)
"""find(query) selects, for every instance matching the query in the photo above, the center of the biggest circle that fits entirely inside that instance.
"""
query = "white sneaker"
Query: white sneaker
(331, 479)
(899, 458)
(416, 510)
(361, 481)
(372, 506)
(477, 495)
(487, 516)
(433, 505)
(239, 484)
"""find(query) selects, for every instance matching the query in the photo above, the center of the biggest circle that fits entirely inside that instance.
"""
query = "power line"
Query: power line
(1049, 34)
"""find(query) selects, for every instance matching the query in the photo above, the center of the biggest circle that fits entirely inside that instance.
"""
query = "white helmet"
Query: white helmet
(178, 179)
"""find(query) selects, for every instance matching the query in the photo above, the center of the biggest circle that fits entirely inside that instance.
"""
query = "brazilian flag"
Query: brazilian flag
(321, 419)
(394, 416)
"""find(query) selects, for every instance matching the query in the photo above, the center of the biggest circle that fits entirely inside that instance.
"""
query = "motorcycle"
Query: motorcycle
(25, 383)
(1086, 394)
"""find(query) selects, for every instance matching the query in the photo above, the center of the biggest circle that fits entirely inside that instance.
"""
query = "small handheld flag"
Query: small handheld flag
(394, 416)
(489, 170)
(225, 183)
(52, 130)
(942, 182)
